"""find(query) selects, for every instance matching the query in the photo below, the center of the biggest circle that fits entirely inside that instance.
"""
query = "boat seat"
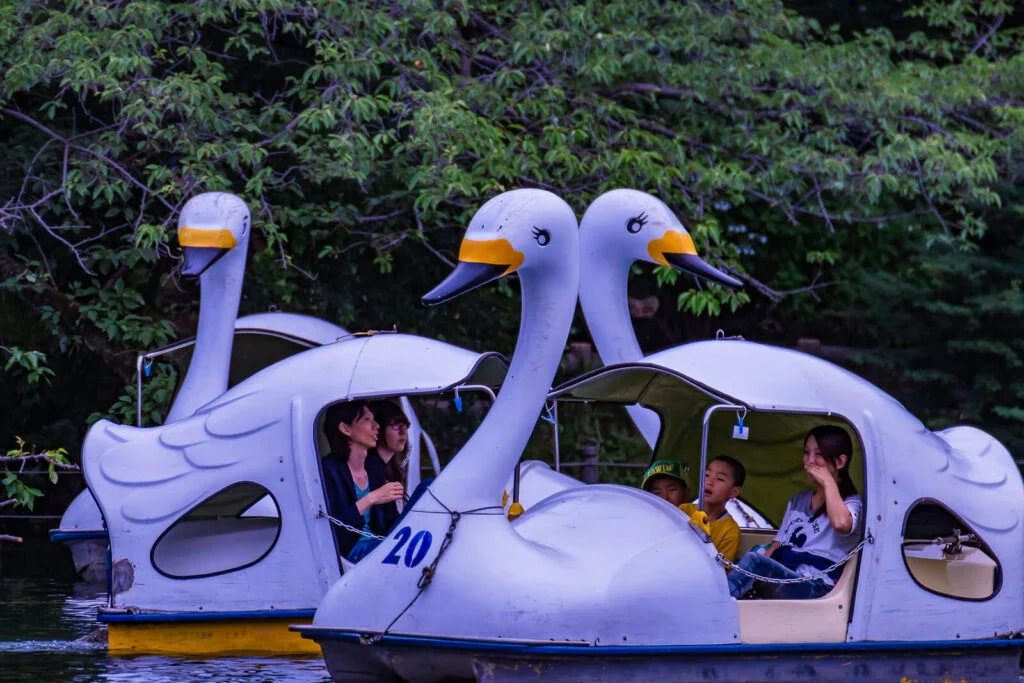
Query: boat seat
(751, 537)
(821, 620)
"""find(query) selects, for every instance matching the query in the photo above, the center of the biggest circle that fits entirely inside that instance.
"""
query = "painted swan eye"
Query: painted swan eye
(542, 236)
(636, 223)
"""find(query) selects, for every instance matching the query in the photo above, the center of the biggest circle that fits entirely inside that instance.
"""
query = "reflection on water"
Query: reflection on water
(44, 636)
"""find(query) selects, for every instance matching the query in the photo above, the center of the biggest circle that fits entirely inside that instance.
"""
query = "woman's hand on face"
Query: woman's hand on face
(389, 492)
(820, 474)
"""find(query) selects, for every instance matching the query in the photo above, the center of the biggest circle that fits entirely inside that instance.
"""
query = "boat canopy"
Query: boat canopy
(372, 366)
(780, 395)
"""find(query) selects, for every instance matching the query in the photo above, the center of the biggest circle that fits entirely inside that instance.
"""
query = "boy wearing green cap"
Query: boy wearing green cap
(723, 481)
(665, 480)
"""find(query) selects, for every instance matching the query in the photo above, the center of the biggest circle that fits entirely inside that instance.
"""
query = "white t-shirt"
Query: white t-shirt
(816, 536)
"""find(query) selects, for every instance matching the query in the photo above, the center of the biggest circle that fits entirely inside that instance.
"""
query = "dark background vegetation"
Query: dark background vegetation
(858, 165)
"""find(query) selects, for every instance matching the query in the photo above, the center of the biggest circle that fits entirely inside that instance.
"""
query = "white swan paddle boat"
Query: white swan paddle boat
(216, 519)
(214, 234)
(608, 582)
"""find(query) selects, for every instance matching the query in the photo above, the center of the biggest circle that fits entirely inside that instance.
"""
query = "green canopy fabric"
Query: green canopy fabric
(772, 454)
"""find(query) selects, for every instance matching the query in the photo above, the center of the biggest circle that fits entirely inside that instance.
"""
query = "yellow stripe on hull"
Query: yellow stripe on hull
(231, 636)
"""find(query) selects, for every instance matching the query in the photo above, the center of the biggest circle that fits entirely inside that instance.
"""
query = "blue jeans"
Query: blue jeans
(768, 568)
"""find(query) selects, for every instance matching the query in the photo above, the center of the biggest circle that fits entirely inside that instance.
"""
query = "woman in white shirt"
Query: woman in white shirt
(819, 528)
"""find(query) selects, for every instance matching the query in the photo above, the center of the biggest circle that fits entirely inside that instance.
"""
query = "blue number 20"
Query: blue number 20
(417, 550)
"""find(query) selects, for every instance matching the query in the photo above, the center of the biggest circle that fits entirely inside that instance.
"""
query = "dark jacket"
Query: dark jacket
(393, 470)
(341, 500)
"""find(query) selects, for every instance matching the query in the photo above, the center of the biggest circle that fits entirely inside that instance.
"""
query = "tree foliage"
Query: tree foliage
(364, 134)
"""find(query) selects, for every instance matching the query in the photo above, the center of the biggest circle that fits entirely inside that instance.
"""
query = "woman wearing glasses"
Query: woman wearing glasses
(392, 440)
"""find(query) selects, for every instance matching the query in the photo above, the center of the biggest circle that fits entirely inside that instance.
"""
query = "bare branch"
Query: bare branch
(988, 34)
(37, 457)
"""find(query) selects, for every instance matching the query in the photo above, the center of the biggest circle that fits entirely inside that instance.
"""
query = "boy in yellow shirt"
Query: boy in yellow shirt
(723, 481)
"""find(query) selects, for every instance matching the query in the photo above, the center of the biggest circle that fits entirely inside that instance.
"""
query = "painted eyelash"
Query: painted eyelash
(636, 223)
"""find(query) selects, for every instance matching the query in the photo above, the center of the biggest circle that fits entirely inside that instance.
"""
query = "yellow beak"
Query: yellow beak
(672, 242)
(199, 237)
(480, 262)
(498, 252)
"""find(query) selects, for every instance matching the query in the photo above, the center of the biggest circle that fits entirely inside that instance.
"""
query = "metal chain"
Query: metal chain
(800, 579)
(427, 575)
(348, 527)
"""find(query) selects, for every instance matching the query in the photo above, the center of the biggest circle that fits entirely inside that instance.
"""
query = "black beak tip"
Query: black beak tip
(695, 265)
(430, 299)
(465, 277)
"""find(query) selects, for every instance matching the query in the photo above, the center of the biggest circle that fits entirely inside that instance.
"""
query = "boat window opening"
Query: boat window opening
(443, 430)
(945, 555)
(232, 529)
(446, 426)
(598, 444)
(771, 454)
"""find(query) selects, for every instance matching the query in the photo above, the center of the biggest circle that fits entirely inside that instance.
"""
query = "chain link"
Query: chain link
(337, 522)
(800, 579)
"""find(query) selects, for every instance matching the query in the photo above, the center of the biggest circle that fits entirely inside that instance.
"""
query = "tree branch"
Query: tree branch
(988, 34)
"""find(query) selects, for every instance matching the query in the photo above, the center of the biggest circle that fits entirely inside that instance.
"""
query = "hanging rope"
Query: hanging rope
(428, 573)
(800, 579)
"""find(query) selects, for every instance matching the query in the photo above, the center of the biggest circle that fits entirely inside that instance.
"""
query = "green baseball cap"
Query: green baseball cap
(664, 468)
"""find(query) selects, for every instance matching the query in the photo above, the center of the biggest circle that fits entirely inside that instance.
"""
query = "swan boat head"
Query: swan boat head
(620, 227)
(211, 226)
(534, 234)
(630, 225)
(213, 230)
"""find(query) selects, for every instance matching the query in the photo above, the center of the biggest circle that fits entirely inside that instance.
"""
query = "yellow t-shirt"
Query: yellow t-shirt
(725, 532)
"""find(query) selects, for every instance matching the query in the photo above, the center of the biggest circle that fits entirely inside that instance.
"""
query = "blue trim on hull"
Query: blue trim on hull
(163, 617)
(58, 536)
(320, 633)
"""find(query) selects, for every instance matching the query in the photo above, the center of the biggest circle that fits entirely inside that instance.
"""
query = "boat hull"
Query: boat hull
(88, 549)
(424, 660)
(208, 635)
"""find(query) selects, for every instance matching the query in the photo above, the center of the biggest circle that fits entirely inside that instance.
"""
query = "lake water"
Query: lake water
(42, 622)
